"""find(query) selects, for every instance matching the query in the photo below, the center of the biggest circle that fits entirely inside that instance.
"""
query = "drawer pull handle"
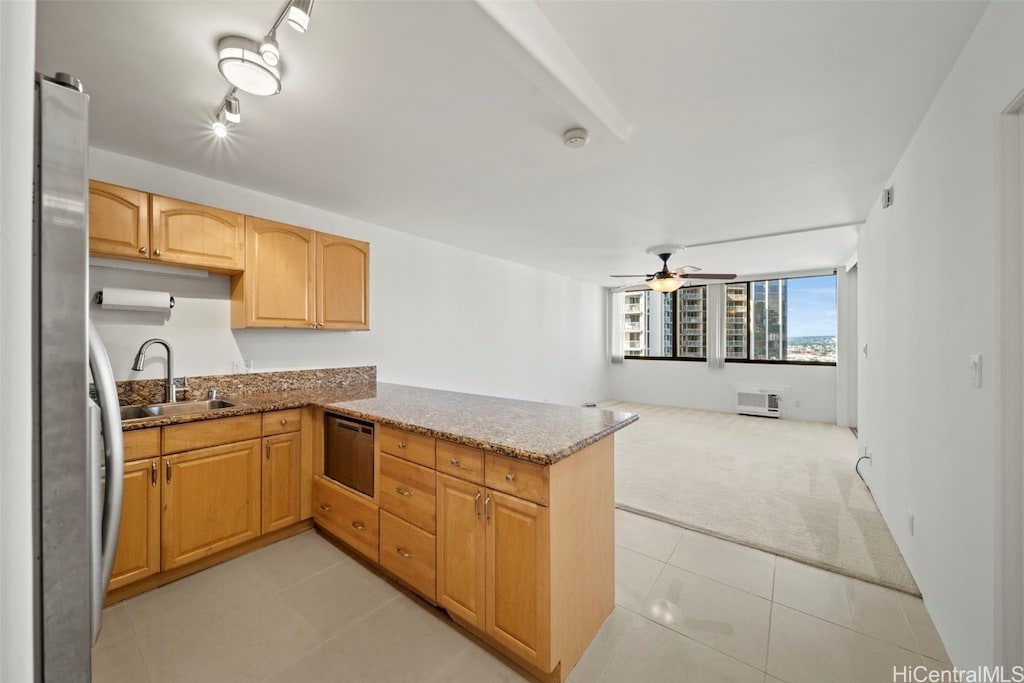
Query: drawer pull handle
(268, 450)
(284, 422)
(143, 250)
(476, 504)
(358, 526)
(152, 472)
(325, 507)
(404, 553)
(487, 502)
(156, 252)
(510, 477)
(401, 444)
(403, 492)
(454, 462)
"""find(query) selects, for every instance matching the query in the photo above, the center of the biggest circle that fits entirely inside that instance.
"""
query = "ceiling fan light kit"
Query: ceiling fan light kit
(255, 67)
(669, 280)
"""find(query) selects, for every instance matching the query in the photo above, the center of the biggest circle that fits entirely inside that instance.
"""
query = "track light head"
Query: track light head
(299, 12)
(220, 125)
(269, 49)
(232, 109)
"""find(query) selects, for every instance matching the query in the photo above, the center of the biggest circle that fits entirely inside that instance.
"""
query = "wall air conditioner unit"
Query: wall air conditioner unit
(765, 404)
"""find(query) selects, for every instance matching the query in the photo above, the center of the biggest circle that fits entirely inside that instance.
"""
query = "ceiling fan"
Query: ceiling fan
(670, 279)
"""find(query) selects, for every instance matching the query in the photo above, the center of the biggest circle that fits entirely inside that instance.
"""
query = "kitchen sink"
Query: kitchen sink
(186, 407)
(133, 412)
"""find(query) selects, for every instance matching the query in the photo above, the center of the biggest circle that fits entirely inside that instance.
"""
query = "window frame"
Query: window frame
(675, 331)
(749, 326)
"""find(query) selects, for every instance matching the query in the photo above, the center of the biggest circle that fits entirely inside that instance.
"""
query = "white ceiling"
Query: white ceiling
(745, 118)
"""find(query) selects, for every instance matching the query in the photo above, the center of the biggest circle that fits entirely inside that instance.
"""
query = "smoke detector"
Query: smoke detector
(575, 138)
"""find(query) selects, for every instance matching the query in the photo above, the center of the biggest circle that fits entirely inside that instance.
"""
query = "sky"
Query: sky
(811, 303)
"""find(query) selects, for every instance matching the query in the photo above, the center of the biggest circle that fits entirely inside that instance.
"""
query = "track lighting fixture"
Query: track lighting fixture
(299, 12)
(255, 67)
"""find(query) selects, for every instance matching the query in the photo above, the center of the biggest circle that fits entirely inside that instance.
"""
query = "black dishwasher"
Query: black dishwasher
(348, 452)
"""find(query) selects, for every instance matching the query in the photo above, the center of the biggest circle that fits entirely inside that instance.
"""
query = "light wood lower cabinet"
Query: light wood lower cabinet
(282, 457)
(138, 544)
(211, 501)
(517, 614)
(492, 568)
(461, 549)
(347, 516)
(408, 552)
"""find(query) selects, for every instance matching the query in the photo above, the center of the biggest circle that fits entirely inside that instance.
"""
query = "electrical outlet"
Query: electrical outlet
(976, 370)
(242, 367)
(910, 521)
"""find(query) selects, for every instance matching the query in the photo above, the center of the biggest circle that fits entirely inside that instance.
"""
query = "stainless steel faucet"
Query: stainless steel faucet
(140, 358)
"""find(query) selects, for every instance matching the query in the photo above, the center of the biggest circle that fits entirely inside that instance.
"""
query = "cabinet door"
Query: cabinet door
(118, 221)
(460, 549)
(279, 276)
(138, 544)
(281, 462)
(196, 235)
(517, 576)
(211, 500)
(343, 283)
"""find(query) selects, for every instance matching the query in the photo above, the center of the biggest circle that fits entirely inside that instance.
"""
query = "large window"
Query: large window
(670, 325)
(785, 320)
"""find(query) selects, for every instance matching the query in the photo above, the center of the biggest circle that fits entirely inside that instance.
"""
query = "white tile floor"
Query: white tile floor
(689, 608)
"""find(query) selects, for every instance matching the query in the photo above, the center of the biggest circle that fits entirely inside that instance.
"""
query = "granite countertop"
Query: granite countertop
(538, 432)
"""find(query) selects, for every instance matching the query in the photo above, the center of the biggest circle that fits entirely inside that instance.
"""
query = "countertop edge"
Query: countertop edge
(488, 446)
(285, 403)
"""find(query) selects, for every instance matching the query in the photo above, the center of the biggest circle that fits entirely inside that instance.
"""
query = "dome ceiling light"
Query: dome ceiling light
(255, 67)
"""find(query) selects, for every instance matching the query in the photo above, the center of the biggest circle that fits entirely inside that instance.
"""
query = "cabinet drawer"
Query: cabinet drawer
(349, 518)
(187, 437)
(460, 461)
(282, 421)
(415, 447)
(141, 443)
(407, 490)
(519, 478)
(408, 552)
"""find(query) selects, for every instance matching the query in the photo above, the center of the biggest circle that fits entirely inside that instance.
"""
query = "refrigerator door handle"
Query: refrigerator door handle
(113, 442)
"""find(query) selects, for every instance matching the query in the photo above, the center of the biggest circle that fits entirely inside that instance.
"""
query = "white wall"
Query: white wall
(929, 298)
(810, 392)
(17, 60)
(440, 316)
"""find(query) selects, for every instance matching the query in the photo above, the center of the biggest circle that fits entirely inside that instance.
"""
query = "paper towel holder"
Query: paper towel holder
(99, 299)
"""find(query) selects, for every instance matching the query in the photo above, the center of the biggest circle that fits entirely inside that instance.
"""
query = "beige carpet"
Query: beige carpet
(784, 486)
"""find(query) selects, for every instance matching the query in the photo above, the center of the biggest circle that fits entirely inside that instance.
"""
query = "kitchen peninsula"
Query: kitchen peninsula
(499, 511)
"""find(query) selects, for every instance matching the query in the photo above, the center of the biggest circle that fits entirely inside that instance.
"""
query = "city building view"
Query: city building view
(785, 319)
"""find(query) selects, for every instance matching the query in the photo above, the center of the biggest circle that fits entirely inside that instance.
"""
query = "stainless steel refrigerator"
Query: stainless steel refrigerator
(78, 453)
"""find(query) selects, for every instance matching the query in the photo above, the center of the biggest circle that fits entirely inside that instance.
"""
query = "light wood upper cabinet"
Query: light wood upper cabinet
(127, 223)
(342, 283)
(295, 277)
(196, 235)
(211, 500)
(138, 544)
(282, 458)
(277, 287)
(118, 221)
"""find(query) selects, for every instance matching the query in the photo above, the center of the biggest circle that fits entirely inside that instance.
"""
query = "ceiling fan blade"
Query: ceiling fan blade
(629, 276)
(632, 287)
(710, 276)
(682, 270)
